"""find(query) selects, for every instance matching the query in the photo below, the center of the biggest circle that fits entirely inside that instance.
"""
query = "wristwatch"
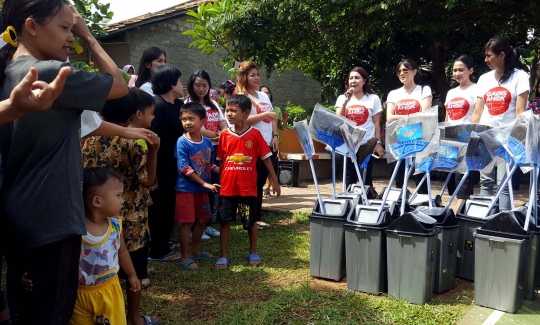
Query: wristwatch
(275, 135)
(379, 142)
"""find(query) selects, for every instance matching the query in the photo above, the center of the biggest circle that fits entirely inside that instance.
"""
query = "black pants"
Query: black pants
(161, 219)
(467, 189)
(2, 296)
(417, 179)
(262, 175)
(54, 271)
(351, 177)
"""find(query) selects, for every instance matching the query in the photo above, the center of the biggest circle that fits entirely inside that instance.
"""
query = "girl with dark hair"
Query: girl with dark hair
(262, 118)
(459, 106)
(45, 152)
(361, 106)
(198, 87)
(502, 96)
(409, 99)
(152, 58)
(228, 88)
(168, 126)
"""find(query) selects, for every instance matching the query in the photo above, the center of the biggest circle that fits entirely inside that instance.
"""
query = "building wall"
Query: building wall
(291, 86)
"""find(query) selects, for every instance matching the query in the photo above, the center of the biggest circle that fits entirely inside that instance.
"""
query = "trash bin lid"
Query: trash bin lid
(507, 224)
(414, 223)
(445, 217)
(369, 215)
(334, 209)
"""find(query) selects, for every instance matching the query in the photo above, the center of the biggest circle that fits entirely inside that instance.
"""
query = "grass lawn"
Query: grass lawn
(281, 291)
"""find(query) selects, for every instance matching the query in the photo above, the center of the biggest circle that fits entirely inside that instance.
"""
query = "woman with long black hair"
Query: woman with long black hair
(502, 96)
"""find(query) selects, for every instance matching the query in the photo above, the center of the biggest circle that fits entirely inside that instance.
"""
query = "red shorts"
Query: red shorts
(190, 206)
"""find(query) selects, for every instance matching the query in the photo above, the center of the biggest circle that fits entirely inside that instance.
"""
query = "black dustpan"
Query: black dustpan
(507, 224)
(413, 224)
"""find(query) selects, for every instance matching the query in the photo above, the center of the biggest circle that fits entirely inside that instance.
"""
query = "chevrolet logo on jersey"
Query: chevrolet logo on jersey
(239, 158)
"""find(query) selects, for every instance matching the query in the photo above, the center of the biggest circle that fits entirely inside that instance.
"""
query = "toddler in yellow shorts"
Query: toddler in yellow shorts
(103, 252)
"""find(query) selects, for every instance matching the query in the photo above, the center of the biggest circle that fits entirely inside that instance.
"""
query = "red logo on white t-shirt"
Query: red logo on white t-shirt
(357, 113)
(497, 100)
(212, 119)
(457, 108)
(407, 106)
(265, 107)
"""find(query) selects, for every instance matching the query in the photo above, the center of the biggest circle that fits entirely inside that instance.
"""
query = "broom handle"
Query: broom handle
(413, 195)
(510, 188)
(500, 189)
(344, 186)
(446, 184)
(408, 171)
(428, 178)
(387, 191)
(321, 205)
(333, 173)
(364, 195)
(457, 189)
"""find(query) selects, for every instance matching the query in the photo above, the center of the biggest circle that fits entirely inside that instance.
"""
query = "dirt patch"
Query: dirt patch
(328, 285)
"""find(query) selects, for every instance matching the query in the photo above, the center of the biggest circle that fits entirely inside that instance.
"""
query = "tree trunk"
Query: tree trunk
(438, 61)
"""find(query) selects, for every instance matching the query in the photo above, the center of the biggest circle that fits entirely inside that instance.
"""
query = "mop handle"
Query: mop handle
(344, 185)
(457, 189)
(429, 190)
(333, 173)
(531, 200)
(446, 183)
(413, 195)
(364, 195)
(510, 187)
(321, 205)
(364, 173)
(500, 189)
(387, 191)
(535, 197)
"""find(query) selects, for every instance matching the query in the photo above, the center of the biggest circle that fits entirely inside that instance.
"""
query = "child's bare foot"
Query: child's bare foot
(146, 320)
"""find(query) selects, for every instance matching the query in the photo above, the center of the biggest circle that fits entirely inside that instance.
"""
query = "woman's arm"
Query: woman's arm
(390, 116)
(377, 121)
(256, 118)
(478, 110)
(102, 60)
(426, 103)
(107, 129)
(521, 102)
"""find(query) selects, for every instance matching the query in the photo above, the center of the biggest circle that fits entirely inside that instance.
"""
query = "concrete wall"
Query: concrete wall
(167, 35)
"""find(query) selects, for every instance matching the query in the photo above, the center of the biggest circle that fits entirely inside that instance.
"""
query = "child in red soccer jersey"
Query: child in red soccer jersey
(239, 148)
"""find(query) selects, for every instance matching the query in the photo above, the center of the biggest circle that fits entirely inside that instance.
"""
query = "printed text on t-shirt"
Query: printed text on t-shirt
(497, 100)
(407, 107)
(264, 107)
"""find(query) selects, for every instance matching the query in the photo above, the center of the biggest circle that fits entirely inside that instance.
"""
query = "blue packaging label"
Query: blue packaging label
(482, 152)
(409, 132)
(449, 152)
(464, 136)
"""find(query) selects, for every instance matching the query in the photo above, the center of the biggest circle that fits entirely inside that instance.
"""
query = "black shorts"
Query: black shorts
(139, 258)
(230, 207)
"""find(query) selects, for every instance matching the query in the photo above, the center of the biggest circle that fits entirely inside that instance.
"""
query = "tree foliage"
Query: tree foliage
(325, 38)
(95, 14)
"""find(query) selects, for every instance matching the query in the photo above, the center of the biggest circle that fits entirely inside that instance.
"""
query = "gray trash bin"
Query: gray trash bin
(502, 250)
(365, 247)
(327, 240)
(411, 243)
(533, 267)
(470, 216)
(445, 264)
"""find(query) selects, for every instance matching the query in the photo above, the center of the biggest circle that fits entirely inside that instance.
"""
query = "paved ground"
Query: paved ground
(302, 199)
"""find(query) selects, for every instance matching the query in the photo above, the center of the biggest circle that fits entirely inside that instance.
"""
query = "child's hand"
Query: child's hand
(155, 142)
(135, 283)
(26, 282)
(276, 187)
(213, 187)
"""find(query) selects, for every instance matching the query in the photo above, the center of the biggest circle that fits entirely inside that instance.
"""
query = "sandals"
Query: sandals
(185, 264)
(263, 226)
(222, 261)
(254, 258)
(203, 256)
(267, 193)
(150, 320)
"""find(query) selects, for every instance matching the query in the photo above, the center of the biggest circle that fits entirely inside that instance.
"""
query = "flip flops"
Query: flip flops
(185, 264)
(164, 257)
(222, 261)
(203, 256)
(254, 258)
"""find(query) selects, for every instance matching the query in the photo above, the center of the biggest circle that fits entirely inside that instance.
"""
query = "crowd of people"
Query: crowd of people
(74, 226)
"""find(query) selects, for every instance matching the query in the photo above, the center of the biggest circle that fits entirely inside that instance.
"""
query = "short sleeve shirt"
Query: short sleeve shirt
(193, 157)
(500, 99)
(43, 173)
(406, 104)
(263, 105)
(460, 104)
(362, 112)
(239, 154)
(147, 87)
(213, 117)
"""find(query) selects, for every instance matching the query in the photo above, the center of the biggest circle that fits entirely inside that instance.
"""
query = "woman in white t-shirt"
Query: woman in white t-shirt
(409, 99)
(198, 87)
(262, 118)
(459, 106)
(152, 58)
(502, 96)
(361, 106)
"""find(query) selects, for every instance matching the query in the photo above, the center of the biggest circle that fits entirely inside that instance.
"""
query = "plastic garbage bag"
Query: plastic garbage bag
(477, 156)
(493, 139)
(451, 157)
(304, 136)
(411, 135)
(522, 141)
(325, 125)
(462, 132)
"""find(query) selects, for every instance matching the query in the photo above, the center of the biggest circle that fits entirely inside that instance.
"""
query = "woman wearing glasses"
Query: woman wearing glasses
(409, 99)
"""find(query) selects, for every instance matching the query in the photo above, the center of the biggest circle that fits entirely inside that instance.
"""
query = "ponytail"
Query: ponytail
(498, 44)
